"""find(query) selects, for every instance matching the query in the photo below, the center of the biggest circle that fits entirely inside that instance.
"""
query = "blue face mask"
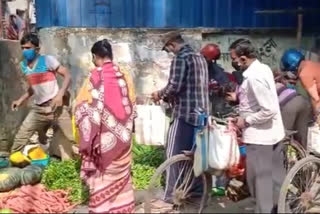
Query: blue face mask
(29, 54)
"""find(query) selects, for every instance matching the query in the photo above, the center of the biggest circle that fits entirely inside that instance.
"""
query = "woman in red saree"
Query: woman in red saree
(104, 115)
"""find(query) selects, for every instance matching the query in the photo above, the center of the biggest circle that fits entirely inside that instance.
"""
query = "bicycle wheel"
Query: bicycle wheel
(293, 152)
(182, 194)
(300, 190)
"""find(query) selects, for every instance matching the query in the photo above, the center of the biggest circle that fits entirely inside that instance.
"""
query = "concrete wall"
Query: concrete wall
(12, 86)
(139, 50)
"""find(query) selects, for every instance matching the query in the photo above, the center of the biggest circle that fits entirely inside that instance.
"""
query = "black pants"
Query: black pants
(180, 138)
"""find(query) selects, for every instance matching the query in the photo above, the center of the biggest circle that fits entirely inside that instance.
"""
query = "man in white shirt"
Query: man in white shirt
(261, 124)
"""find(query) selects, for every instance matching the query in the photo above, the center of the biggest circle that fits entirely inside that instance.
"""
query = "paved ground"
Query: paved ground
(217, 205)
(223, 205)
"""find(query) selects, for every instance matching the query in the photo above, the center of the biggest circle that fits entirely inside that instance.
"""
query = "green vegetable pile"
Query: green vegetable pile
(146, 159)
(66, 175)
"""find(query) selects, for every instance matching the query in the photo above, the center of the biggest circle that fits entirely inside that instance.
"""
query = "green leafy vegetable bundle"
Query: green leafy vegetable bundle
(66, 175)
(146, 159)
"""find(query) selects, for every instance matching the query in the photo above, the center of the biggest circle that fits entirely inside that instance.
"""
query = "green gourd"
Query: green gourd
(9, 179)
(31, 175)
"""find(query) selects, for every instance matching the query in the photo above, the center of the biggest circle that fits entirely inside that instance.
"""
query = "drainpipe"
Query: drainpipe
(28, 17)
(1, 21)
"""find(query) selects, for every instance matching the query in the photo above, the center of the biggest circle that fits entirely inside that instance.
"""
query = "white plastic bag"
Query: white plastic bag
(223, 146)
(314, 139)
(150, 125)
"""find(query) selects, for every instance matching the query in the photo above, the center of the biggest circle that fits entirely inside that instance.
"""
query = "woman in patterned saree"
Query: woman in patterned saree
(104, 115)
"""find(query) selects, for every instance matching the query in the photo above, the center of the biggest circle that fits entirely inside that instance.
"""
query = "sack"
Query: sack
(314, 139)
(10, 178)
(224, 150)
(150, 125)
(200, 163)
(31, 174)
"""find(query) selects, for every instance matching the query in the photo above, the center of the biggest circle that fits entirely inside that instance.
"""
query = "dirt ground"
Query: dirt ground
(216, 205)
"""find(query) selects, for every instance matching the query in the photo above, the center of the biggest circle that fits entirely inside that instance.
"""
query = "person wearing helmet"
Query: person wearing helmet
(212, 53)
(293, 61)
(219, 80)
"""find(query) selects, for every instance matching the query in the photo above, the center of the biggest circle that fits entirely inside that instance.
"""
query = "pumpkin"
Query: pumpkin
(19, 160)
(31, 175)
(37, 153)
(9, 179)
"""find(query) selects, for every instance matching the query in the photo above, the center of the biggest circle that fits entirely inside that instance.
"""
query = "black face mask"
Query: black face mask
(235, 65)
(238, 75)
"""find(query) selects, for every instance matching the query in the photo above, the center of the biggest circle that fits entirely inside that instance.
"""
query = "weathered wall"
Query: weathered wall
(139, 50)
(12, 85)
(136, 50)
(270, 45)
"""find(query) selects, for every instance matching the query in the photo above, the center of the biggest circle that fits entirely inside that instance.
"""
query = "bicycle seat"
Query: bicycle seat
(289, 133)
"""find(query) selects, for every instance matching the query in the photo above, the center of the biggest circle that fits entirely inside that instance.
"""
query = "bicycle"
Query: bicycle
(293, 150)
(181, 191)
(182, 195)
(300, 190)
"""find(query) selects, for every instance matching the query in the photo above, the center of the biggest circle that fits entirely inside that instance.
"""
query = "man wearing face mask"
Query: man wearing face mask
(261, 124)
(49, 100)
(237, 74)
(188, 88)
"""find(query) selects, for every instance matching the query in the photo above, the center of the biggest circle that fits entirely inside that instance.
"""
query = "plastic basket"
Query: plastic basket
(43, 162)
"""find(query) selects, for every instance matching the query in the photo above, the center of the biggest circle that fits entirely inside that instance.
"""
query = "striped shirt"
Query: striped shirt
(188, 85)
(42, 78)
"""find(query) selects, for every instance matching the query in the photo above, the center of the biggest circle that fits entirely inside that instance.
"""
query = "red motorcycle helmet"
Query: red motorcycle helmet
(211, 52)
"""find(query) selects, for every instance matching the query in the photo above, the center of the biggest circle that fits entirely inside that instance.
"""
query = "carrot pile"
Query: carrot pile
(37, 199)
